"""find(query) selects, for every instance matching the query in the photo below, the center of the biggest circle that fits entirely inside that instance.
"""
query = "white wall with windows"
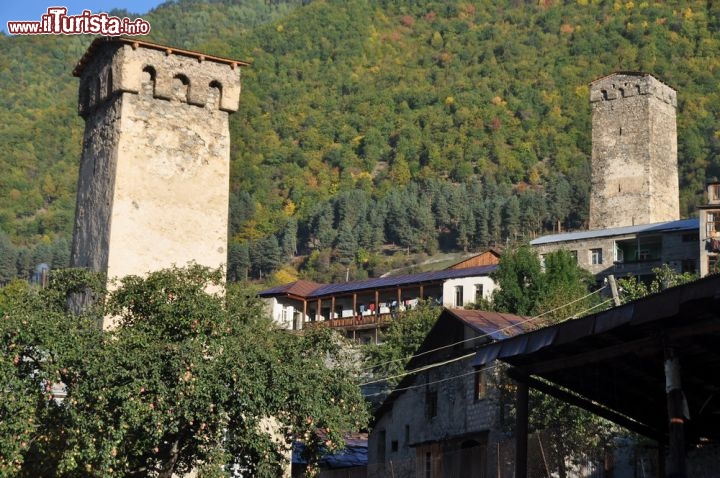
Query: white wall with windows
(464, 291)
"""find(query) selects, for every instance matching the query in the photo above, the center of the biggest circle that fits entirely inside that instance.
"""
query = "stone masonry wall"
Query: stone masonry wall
(634, 177)
(154, 180)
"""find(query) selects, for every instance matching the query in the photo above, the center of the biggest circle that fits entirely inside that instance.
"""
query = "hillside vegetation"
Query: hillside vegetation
(425, 125)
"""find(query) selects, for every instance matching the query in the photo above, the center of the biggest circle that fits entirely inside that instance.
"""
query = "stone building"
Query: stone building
(634, 223)
(630, 250)
(154, 176)
(446, 420)
(634, 151)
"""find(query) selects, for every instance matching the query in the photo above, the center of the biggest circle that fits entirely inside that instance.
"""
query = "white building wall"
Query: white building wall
(468, 285)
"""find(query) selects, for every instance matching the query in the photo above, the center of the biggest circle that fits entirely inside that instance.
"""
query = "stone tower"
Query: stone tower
(154, 175)
(634, 151)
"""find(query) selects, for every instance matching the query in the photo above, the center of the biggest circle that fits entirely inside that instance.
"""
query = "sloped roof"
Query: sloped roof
(299, 288)
(305, 290)
(613, 361)
(659, 227)
(355, 453)
(492, 326)
(496, 325)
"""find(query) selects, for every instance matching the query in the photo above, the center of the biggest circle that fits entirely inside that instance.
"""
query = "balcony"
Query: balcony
(636, 268)
(353, 323)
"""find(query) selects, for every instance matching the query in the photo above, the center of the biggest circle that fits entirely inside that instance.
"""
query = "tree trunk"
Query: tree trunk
(168, 467)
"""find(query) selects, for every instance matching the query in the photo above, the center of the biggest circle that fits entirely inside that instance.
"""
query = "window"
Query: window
(479, 289)
(712, 227)
(596, 256)
(394, 446)
(713, 192)
(480, 385)
(691, 237)
(428, 465)
(407, 435)
(573, 254)
(619, 253)
(458, 296)
(431, 404)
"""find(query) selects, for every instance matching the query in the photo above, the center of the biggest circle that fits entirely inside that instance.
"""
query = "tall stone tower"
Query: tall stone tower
(634, 151)
(154, 176)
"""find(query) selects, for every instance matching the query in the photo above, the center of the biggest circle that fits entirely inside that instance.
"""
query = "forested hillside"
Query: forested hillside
(428, 125)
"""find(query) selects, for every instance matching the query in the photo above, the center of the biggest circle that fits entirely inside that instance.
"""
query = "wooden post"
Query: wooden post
(521, 430)
(614, 289)
(676, 415)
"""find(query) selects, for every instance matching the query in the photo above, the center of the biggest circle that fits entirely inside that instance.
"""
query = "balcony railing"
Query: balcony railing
(636, 267)
(357, 322)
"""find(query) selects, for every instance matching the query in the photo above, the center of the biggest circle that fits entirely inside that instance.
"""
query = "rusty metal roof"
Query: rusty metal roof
(612, 362)
(496, 325)
(135, 43)
(300, 288)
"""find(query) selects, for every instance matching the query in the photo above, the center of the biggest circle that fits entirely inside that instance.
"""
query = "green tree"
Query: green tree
(631, 288)
(520, 282)
(8, 258)
(558, 292)
(187, 379)
(400, 341)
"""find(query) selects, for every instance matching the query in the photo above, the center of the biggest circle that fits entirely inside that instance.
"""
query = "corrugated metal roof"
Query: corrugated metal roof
(613, 361)
(309, 289)
(679, 225)
(395, 281)
(497, 325)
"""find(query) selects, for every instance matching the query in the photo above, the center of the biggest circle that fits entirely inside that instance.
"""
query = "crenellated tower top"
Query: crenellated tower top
(124, 65)
(153, 186)
(626, 84)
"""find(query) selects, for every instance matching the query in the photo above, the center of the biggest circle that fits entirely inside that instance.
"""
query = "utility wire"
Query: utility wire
(531, 319)
(446, 379)
(421, 369)
(463, 357)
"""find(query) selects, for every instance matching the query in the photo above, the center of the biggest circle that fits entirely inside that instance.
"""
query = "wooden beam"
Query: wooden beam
(641, 346)
(521, 430)
(676, 417)
(578, 401)
(592, 356)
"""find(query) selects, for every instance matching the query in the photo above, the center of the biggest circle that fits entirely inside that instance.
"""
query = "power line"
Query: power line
(456, 359)
(446, 379)
(531, 319)
(421, 369)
